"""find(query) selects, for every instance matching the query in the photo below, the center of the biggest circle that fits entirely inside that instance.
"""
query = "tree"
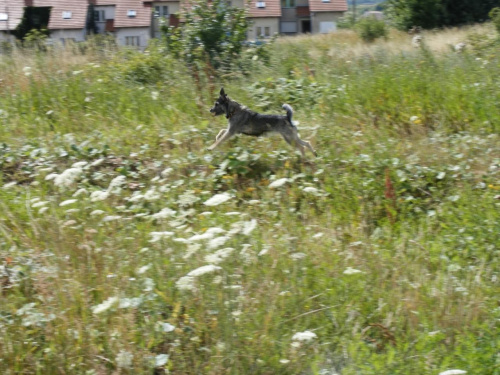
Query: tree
(438, 13)
(212, 31)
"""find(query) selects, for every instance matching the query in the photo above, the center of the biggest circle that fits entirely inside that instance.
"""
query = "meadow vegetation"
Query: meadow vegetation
(126, 248)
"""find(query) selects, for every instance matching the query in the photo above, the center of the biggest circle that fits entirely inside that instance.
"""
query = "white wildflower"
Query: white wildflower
(152, 195)
(187, 199)
(155, 95)
(116, 183)
(126, 303)
(79, 192)
(311, 189)
(318, 235)
(249, 226)
(99, 196)
(97, 162)
(143, 269)
(42, 210)
(124, 359)
(79, 164)
(106, 305)
(164, 214)
(453, 372)
(110, 218)
(278, 183)
(351, 271)
(157, 236)
(67, 202)
(414, 119)
(217, 242)
(96, 212)
(219, 255)
(166, 172)
(166, 327)
(186, 283)
(284, 361)
(67, 178)
(51, 176)
(203, 270)
(304, 336)
(39, 204)
(9, 185)
(297, 256)
(136, 198)
(161, 360)
(27, 71)
(217, 199)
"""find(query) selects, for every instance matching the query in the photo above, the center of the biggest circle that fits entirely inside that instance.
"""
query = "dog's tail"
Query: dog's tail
(289, 112)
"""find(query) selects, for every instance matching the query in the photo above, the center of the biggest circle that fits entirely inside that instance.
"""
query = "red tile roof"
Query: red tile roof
(330, 6)
(272, 9)
(77, 11)
(142, 17)
(14, 10)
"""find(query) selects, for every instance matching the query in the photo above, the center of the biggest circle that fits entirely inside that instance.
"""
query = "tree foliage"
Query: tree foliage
(212, 31)
(439, 13)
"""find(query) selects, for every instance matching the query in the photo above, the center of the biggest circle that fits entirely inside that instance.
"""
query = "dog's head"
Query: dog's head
(221, 105)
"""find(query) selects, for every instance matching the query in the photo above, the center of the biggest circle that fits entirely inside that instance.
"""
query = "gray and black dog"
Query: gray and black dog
(244, 121)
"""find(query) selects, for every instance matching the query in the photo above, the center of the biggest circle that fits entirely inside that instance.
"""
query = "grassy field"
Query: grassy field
(126, 248)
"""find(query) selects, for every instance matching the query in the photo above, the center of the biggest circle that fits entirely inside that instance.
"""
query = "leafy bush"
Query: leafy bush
(370, 29)
(495, 18)
(213, 32)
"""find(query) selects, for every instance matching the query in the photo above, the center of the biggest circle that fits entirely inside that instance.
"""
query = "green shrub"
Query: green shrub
(495, 18)
(370, 29)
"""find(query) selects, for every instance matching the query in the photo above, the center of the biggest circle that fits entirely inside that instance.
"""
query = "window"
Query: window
(325, 1)
(131, 13)
(327, 27)
(66, 15)
(288, 27)
(267, 31)
(99, 16)
(260, 4)
(132, 41)
(161, 11)
(4, 16)
(288, 3)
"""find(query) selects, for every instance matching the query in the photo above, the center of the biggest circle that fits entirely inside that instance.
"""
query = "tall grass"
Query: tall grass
(378, 257)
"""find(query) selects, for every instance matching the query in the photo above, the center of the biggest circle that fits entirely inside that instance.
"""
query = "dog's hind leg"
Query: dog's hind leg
(294, 141)
(308, 145)
(221, 138)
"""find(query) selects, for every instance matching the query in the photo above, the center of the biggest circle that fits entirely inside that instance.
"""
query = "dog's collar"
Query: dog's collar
(229, 115)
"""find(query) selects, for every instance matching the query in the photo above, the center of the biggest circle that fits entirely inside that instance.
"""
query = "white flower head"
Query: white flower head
(99, 196)
(157, 236)
(278, 183)
(106, 305)
(67, 202)
(217, 199)
(351, 271)
(209, 268)
(67, 178)
(219, 255)
(453, 372)
(124, 359)
(161, 360)
(305, 336)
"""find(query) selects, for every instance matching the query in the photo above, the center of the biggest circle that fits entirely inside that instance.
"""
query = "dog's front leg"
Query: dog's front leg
(221, 138)
(220, 134)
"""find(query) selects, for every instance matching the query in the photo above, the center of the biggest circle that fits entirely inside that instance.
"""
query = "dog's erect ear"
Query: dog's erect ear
(222, 93)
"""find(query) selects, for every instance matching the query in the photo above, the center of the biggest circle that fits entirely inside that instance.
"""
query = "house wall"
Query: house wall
(319, 17)
(272, 22)
(58, 36)
(144, 34)
(5, 37)
(109, 14)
